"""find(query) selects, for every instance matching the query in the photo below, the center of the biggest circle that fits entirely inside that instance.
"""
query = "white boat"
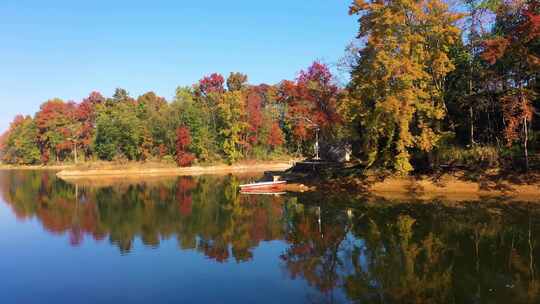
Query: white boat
(273, 186)
(277, 185)
(254, 192)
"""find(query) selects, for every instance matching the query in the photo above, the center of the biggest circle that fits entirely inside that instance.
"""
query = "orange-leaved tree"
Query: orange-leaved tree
(398, 77)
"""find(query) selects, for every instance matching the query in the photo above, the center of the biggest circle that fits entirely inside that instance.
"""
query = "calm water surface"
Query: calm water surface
(196, 240)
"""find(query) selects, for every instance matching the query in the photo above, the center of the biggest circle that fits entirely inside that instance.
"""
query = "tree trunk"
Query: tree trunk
(471, 114)
(525, 125)
(525, 140)
(471, 118)
(75, 152)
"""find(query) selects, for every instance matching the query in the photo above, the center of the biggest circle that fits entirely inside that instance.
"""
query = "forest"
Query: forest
(430, 83)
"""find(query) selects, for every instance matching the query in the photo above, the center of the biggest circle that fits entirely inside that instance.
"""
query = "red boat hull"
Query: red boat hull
(263, 187)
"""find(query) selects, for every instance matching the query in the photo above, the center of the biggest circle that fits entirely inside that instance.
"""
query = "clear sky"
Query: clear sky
(67, 49)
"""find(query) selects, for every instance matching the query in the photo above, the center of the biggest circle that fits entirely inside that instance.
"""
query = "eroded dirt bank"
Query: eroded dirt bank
(451, 187)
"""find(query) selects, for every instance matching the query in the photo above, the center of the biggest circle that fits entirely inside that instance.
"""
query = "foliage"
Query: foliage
(513, 53)
(57, 128)
(211, 84)
(86, 115)
(232, 124)
(310, 103)
(20, 142)
(275, 138)
(3, 142)
(399, 77)
(118, 132)
(190, 111)
(236, 81)
(413, 84)
(475, 157)
(183, 140)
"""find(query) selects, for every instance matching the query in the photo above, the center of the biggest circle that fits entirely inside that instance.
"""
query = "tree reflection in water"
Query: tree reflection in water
(347, 249)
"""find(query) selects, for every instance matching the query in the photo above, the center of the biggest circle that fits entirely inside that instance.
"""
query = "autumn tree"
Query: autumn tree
(211, 84)
(187, 109)
(254, 109)
(86, 115)
(236, 81)
(120, 95)
(263, 113)
(311, 103)
(58, 127)
(3, 140)
(514, 53)
(232, 124)
(469, 65)
(183, 139)
(20, 142)
(153, 111)
(208, 91)
(399, 76)
(275, 138)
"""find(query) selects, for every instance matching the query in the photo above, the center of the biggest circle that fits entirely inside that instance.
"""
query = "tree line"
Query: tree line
(430, 83)
(215, 119)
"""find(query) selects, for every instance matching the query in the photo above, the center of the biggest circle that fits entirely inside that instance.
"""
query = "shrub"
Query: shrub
(475, 157)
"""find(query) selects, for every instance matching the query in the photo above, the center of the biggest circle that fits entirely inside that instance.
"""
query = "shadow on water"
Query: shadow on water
(349, 249)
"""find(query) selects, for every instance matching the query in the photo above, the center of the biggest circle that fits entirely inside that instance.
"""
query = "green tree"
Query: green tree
(187, 110)
(21, 146)
(153, 113)
(120, 95)
(119, 132)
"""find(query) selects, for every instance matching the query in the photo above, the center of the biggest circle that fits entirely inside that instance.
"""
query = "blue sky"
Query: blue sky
(67, 49)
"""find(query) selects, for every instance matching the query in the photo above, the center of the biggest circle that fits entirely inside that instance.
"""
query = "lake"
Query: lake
(197, 240)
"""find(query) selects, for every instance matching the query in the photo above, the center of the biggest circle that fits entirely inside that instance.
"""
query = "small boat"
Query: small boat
(262, 193)
(264, 186)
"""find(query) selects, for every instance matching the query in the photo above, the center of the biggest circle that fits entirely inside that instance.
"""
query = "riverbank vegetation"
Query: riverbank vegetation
(432, 85)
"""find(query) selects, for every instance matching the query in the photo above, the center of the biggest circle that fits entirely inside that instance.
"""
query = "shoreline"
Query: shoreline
(447, 187)
(36, 167)
(75, 173)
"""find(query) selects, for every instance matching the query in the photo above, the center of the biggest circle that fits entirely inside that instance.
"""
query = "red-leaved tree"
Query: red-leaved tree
(57, 127)
(86, 115)
(184, 195)
(254, 114)
(211, 84)
(183, 140)
(311, 101)
(516, 62)
(275, 138)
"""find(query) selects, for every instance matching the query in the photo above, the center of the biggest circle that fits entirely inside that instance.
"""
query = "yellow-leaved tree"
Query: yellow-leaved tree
(398, 77)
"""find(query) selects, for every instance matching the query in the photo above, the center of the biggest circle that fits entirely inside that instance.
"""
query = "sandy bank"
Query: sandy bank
(36, 167)
(195, 170)
(454, 189)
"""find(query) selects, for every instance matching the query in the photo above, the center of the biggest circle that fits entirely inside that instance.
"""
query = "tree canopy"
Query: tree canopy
(428, 86)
